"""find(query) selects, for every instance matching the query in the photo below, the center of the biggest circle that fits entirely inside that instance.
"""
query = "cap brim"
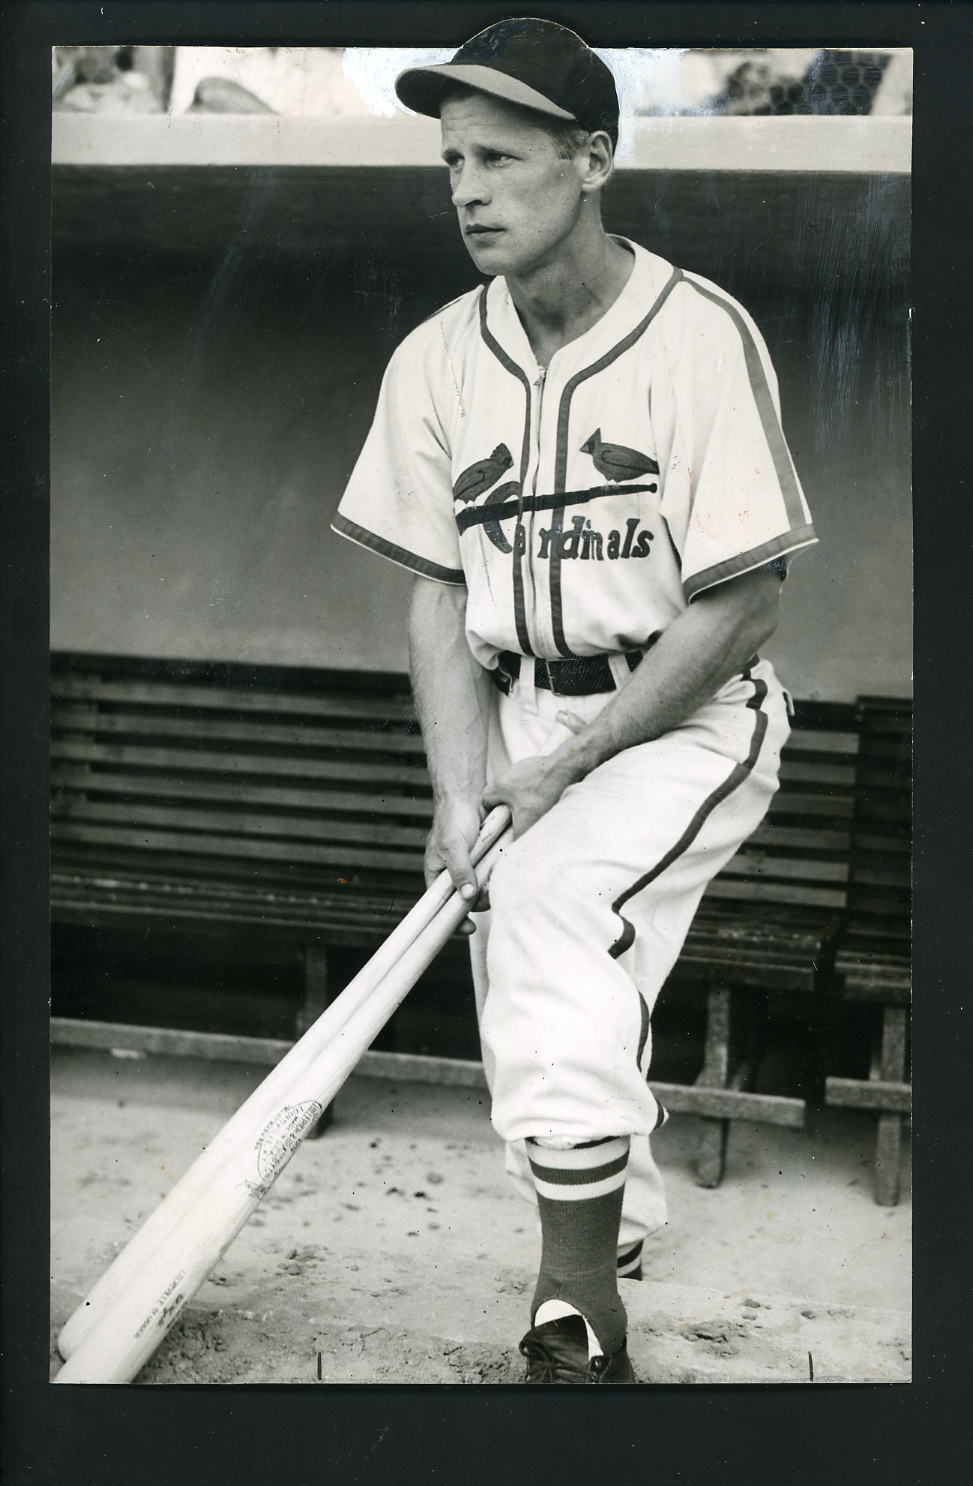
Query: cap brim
(422, 88)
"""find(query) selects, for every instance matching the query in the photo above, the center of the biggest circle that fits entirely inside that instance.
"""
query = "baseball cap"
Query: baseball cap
(537, 64)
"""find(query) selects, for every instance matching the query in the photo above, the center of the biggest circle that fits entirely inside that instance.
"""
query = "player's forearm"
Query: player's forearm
(700, 651)
(451, 688)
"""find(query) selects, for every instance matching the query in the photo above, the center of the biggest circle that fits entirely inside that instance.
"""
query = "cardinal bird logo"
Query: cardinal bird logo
(616, 462)
(478, 478)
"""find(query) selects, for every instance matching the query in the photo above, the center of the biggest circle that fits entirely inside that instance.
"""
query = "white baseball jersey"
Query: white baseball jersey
(584, 506)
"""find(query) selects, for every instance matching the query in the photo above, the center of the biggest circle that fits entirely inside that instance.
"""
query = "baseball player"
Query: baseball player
(582, 463)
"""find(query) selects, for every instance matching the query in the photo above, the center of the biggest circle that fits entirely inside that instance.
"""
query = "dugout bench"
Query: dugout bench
(218, 798)
(873, 960)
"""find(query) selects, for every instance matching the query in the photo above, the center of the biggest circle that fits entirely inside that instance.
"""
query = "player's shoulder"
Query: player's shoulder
(435, 337)
(710, 311)
(682, 302)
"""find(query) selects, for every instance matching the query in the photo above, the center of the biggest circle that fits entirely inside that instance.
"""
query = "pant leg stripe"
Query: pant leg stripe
(643, 1030)
(736, 777)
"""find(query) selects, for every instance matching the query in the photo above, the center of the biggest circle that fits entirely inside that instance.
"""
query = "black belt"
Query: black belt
(575, 676)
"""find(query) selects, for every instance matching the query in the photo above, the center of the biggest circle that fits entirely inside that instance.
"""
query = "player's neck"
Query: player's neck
(563, 299)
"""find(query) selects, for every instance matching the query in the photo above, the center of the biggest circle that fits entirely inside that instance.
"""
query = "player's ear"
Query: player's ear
(597, 161)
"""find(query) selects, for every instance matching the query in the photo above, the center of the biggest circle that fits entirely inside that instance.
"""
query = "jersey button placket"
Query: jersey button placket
(538, 400)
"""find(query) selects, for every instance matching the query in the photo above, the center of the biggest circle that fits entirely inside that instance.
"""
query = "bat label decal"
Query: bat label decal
(281, 1136)
(165, 1306)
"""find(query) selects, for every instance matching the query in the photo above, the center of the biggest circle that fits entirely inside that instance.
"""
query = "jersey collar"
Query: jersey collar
(648, 278)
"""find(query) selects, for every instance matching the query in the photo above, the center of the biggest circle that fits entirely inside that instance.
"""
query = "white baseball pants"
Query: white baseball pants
(590, 908)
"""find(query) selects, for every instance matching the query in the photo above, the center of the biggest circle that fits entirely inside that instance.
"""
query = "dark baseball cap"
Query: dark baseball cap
(536, 64)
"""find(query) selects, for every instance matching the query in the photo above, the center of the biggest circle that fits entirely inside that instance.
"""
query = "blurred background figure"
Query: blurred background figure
(300, 81)
(112, 79)
(322, 82)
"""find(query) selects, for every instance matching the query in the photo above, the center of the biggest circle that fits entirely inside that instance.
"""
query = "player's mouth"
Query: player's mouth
(482, 233)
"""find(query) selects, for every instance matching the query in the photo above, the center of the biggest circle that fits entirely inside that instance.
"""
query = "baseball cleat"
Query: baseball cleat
(557, 1352)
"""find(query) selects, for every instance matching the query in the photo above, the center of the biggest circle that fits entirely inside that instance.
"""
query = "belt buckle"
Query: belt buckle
(542, 660)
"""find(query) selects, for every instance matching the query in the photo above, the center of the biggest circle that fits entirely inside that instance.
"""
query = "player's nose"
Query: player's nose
(468, 186)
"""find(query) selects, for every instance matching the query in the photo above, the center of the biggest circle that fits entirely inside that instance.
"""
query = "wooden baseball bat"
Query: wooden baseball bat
(145, 1310)
(240, 1130)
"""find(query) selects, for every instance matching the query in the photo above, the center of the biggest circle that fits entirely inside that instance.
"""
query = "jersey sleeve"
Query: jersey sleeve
(732, 499)
(398, 501)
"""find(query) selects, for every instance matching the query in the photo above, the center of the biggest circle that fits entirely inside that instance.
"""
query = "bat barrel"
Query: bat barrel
(186, 1191)
(145, 1308)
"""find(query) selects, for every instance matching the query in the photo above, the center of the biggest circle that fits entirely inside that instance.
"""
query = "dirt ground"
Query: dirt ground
(392, 1250)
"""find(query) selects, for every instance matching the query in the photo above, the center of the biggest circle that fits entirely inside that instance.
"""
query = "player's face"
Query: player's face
(517, 200)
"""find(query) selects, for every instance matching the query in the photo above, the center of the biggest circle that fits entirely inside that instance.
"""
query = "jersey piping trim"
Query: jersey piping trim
(757, 557)
(561, 459)
(520, 541)
(734, 779)
(400, 555)
(760, 387)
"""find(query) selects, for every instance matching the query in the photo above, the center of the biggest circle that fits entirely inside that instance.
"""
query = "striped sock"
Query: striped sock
(629, 1261)
(579, 1196)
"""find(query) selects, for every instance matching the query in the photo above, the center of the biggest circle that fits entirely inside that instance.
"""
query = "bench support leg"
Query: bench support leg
(891, 1067)
(727, 1064)
(317, 999)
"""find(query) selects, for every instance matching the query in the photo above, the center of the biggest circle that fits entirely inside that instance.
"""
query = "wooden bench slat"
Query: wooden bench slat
(797, 769)
(238, 733)
(755, 891)
(289, 873)
(863, 1093)
(822, 741)
(162, 887)
(791, 803)
(884, 873)
(895, 839)
(122, 911)
(305, 912)
(257, 919)
(182, 760)
(246, 823)
(209, 697)
(794, 838)
(774, 867)
(242, 846)
(68, 777)
(152, 875)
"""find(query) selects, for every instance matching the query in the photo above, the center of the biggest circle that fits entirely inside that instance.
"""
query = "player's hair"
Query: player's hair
(568, 137)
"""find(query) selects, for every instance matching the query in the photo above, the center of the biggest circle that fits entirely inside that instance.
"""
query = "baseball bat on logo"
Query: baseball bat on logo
(134, 1305)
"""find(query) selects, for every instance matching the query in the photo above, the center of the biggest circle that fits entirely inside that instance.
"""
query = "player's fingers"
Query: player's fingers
(499, 796)
(571, 721)
(494, 795)
(456, 857)
(432, 863)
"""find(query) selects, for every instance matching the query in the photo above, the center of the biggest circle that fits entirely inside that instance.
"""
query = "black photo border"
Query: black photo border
(300, 1436)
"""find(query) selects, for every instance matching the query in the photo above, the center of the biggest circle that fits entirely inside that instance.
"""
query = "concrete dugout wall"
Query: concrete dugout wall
(219, 336)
